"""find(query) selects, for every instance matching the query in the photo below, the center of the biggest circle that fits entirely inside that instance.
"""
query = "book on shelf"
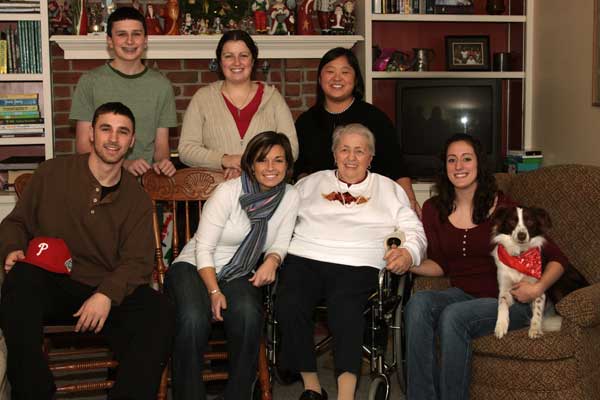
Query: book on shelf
(23, 47)
(17, 114)
(33, 101)
(3, 55)
(37, 132)
(403, 6)
(21, 162)
(18, 96)
(20, 121)
(525, 153)
(35, 108)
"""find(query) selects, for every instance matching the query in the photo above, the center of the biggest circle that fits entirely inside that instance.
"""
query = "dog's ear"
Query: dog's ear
(542, 218)
(499, 215)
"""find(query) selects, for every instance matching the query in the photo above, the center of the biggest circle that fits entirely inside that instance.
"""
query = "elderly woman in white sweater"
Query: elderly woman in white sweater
(219, 273)
(224, 116)
(335, 255)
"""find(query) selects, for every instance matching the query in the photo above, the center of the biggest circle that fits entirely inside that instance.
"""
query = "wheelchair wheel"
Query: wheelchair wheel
(399, 333)
(379, 389)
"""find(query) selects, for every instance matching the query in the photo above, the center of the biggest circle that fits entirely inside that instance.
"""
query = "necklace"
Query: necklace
(342, 111)
(242, 105)
(346, 198)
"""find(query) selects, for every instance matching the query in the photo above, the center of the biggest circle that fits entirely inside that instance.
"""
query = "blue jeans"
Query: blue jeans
(455, 318)
(243, 321)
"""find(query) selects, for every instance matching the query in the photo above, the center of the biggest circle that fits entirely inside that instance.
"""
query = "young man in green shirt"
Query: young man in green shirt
(126, 79)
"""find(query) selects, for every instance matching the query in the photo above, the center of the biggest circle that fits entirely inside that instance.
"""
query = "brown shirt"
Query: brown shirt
(110, 239)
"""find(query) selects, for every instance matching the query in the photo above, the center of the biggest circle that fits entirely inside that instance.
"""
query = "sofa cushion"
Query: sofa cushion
(517, 345)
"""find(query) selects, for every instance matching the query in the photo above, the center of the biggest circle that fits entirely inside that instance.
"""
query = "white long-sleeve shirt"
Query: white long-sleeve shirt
(353, 234)
(224, 225)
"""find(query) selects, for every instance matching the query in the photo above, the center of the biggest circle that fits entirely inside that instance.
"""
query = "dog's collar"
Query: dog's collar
(529, 262)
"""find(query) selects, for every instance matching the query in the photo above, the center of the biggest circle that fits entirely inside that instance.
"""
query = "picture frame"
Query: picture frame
(468, 53)
(454, 7)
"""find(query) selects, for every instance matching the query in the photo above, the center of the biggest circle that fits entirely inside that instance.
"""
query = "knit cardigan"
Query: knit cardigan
(209, 130)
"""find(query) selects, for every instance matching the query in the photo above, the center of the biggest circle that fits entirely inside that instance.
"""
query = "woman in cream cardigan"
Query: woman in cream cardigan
(225, 115)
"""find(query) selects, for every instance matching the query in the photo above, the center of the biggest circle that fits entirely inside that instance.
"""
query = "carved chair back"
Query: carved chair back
(21, 182)
(180, 195)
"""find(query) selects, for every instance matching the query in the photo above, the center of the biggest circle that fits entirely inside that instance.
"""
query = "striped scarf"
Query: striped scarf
(259, 207)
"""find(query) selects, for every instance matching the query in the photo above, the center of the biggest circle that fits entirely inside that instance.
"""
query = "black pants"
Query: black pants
(139, 332)
(346, 289)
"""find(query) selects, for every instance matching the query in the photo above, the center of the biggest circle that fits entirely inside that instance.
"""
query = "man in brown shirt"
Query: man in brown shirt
(105, 219)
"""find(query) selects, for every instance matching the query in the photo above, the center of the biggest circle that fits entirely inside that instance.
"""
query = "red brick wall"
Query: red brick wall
(295, 79)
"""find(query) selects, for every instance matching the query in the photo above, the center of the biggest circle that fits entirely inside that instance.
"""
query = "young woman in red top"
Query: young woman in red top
(458, 227)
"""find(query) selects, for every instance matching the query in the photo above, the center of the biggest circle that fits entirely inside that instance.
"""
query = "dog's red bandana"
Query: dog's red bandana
(529, 262)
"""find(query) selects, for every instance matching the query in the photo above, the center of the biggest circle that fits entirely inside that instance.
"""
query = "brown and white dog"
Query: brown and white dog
(519, 236)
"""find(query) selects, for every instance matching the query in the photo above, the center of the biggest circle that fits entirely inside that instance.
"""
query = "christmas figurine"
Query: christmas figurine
(305, 13)
(187, 27)
(335, 20)
(259, 9)
(171, 15)
(152, 23)
(324, 9)
(279, 13)
(348, 19)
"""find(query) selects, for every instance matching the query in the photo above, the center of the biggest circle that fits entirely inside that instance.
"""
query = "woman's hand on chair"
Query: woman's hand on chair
(266, 273)
(218, 302)
(398, 260)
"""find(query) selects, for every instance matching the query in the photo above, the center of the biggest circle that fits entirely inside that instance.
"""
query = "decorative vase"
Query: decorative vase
(495, 7)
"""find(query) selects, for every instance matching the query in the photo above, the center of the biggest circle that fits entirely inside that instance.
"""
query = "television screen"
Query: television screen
(431, 110)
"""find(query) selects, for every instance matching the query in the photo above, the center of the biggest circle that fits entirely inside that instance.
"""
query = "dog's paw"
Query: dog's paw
(535, 332)
(501, 328)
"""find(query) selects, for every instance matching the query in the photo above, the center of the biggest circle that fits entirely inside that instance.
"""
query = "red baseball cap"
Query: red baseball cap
(51, 254)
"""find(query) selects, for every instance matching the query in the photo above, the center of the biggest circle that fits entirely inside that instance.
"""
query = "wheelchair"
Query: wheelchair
(384, 344)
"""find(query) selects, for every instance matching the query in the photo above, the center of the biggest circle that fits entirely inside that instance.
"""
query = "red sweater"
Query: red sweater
(465, 254)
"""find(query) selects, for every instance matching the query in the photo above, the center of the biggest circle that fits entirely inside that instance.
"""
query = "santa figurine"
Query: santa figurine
(152, 23)
(279, 13)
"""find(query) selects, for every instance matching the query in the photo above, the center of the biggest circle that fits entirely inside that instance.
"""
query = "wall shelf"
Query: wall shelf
(203, 46)
(447, 74)
(20, 17)
(24, 140)
(22, 77)
(448, 18)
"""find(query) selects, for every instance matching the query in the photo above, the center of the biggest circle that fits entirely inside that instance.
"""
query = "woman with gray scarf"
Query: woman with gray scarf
(219, 274)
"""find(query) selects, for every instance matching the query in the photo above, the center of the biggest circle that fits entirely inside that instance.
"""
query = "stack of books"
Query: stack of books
(403, 6)
(20, 46)
(20, 115)
(20, 6)
(524, 160)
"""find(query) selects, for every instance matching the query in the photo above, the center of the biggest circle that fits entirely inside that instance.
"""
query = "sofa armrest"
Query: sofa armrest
(582, 306)
(430, 283)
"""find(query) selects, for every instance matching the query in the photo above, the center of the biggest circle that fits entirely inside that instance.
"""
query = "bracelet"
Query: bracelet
(277, 258)
(214, 291)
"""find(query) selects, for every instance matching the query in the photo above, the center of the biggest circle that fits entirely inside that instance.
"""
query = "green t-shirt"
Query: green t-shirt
(148, 94)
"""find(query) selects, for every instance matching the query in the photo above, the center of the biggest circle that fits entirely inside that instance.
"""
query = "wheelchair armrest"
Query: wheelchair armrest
(430, 283)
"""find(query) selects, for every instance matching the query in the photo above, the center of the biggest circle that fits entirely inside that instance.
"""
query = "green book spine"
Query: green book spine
(27, 48)
(38, 46)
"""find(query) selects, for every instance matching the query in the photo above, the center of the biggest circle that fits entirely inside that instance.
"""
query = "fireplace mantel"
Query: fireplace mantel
(203, 46)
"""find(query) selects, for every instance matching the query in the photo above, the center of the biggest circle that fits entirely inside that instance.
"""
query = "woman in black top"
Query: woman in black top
(339, 102)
